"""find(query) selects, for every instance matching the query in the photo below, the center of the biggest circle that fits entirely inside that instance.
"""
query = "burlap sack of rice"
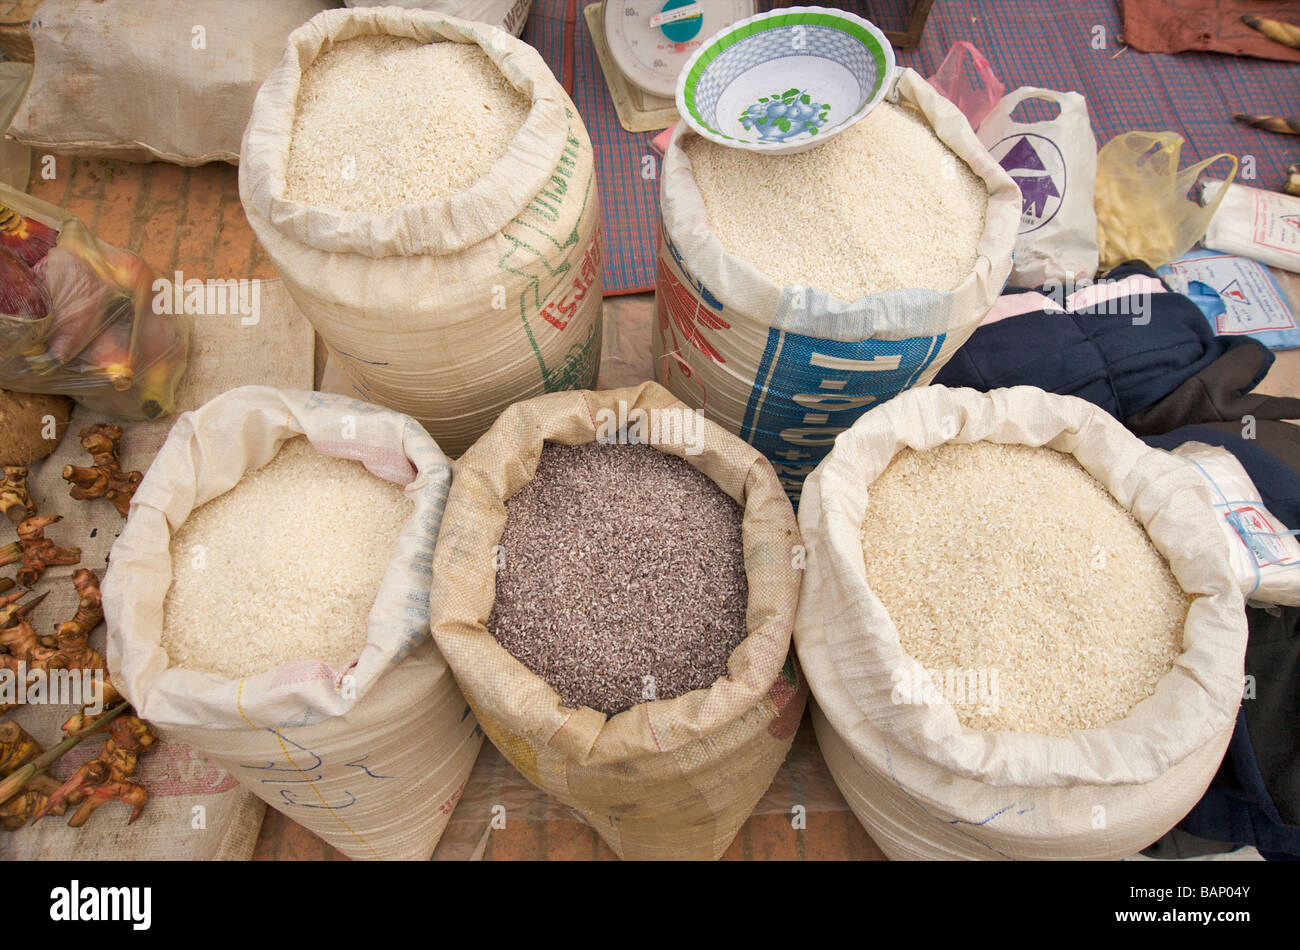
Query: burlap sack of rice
(140, 80)
(665, 779)
(448, 309)
(925, 785)
(508, 15)
(794, 292)
(371, 754)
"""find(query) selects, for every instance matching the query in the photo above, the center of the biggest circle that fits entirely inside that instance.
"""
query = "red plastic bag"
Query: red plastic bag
(966, 79)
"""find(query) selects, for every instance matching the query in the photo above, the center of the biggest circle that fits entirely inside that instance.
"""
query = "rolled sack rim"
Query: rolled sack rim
(1193, 703)
(439, 227)
(892, 314)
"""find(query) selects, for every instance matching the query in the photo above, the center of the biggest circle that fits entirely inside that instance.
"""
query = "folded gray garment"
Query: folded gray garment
(1218, 393)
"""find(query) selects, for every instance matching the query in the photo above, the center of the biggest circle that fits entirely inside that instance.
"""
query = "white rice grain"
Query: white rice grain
(1014, 559)
(882, 206)
(283, 566)
(386, 121)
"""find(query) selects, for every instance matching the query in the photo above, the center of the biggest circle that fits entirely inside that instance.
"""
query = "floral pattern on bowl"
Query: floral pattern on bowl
(785, 115)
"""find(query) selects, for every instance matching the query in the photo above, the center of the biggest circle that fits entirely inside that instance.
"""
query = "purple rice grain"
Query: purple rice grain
(620, 563)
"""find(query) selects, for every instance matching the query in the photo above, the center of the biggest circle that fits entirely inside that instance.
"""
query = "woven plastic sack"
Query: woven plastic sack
(789, 368)
(1265, 552)
(926, 786)
(1054, 162)
(451, 310)
(141, 80)
(77, 316)
(667, 779)
(508, 15)
(371, 758)
(15, 158)
(1148, 210)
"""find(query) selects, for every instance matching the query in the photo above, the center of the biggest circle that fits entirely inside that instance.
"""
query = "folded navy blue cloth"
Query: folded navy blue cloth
(1255, 797)
(1122, 361)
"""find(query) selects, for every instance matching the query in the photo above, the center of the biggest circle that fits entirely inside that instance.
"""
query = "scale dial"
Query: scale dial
(651, 40)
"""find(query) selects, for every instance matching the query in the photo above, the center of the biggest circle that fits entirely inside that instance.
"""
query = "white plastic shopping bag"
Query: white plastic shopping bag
(1054, 161)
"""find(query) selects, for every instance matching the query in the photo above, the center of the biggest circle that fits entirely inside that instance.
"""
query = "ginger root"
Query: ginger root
(18, 641)
(106, 776)
(17, 748)
(68, 649)
(28, 795)
(104, 479)
(72, 650)
(35, 795)
(35, 551)
(15, 501)
(21, 650)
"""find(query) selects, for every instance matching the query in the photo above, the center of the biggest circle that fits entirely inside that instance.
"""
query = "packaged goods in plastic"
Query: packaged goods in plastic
(1148, 209)
(1054, 162)
(78, 317)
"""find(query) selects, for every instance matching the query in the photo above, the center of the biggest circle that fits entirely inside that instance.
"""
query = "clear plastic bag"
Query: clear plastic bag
(77, 316)
(1148, 210)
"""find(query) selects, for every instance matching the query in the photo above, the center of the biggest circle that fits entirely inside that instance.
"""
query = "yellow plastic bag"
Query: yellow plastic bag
(1146, 207)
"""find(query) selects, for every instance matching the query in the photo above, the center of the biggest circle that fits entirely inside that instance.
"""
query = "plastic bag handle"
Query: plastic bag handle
(1007, 104)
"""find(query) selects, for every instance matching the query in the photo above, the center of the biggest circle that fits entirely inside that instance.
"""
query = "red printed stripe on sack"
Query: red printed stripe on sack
(174, 768)
(558, 313)
(683, 308)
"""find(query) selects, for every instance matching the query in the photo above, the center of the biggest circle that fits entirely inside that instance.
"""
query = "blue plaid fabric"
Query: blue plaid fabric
(1067, 46)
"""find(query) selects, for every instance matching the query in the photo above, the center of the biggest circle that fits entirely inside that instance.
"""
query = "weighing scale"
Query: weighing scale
(643, 45)
(651, 40)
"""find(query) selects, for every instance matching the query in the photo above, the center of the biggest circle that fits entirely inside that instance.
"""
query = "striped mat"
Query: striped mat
(1067, 46)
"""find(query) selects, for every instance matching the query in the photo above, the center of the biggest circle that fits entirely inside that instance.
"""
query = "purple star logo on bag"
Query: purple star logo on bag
(1036, 165)
(1034, 193)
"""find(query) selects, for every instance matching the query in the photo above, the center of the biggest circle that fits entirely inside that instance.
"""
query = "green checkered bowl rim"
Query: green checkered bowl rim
(882, 53)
